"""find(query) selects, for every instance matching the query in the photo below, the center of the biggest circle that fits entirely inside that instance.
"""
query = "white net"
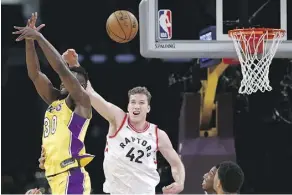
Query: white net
(255, 55)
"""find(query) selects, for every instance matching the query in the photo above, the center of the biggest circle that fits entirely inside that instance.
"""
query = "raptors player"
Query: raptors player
(132, 142)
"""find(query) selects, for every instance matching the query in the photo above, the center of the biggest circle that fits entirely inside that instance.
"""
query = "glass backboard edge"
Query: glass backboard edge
(219, 19)
(187, 49)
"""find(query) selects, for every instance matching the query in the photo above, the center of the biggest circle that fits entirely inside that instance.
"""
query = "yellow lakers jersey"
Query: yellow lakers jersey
(63, 139)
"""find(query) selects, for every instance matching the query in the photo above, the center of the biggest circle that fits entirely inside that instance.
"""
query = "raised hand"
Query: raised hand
(32, 21)
(26, 32)
(71, 57)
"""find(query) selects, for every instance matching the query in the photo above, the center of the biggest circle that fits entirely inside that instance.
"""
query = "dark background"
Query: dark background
(262, 139)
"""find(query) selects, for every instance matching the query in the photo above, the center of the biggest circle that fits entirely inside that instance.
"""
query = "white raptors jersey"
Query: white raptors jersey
(130, 160)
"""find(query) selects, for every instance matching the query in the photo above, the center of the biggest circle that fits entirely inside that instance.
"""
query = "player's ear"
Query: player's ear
(128, 107)
(149, 108)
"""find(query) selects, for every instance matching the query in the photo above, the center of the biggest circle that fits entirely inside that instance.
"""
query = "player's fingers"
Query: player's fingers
(31, 22)
(41, 165)
(40, 27)
(18, 27)
(74, 54)
(169, 186)
(22, 36)
(72, 51)
(166, 192)
(29, 192)
(33, 17)
(37, 191)
(65, 53)
(43, 153)
(41, 160)
(17, 32)
(164, 189)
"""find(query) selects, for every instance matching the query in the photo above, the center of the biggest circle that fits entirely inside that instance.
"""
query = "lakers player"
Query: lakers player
(132, 142)
(228, 179)
(66, 119)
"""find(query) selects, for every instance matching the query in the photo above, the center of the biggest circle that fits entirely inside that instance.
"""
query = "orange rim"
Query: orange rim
(257, 31)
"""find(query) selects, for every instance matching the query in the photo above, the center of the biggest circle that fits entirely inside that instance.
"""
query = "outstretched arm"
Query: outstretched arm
(71, 83)
(177, 167)
(41, 82)
(107, 110)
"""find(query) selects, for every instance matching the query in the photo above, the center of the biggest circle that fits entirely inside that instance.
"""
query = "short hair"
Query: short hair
(80, 70)
(140, 90)
(231, 176)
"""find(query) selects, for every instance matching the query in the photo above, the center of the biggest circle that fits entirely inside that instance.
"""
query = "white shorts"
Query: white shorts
(119, 187)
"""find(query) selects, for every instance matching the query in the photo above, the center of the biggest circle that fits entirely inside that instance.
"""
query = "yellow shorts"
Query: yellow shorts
(74, 181)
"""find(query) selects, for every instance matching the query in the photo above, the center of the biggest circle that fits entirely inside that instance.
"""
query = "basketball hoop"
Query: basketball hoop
(256, 48)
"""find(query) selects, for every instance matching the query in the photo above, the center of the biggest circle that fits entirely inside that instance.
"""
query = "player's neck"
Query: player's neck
(139, 126)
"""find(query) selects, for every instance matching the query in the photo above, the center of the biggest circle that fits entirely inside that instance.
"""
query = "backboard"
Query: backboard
(199, 28)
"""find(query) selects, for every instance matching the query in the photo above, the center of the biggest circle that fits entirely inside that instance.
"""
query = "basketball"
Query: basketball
(122, 26)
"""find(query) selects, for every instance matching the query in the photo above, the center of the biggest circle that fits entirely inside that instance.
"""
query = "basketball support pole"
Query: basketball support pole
(208, 94)
(209, 86)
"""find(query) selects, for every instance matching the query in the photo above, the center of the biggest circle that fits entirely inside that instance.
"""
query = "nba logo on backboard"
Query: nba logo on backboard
(165, 24)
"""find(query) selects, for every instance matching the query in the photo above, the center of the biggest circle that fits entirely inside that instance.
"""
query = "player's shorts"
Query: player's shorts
(74, 181)
(119, 187)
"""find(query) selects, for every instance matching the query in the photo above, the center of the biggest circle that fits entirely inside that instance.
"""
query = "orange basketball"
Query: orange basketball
(122, 26)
